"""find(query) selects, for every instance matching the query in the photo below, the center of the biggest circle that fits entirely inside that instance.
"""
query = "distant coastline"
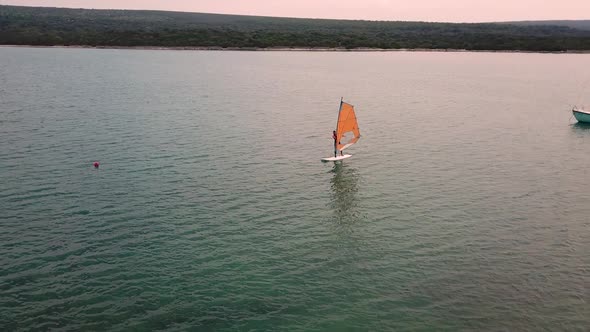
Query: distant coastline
(134, 29)
(293, 49)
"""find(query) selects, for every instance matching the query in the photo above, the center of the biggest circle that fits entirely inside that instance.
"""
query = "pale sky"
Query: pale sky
(406, 10)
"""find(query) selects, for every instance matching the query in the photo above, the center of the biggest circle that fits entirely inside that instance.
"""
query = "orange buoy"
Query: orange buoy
(96, 164)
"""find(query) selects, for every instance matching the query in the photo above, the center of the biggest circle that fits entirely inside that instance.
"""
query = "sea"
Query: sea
(465, 205)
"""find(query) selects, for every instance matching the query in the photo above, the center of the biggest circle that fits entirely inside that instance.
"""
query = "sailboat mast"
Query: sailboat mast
(339, 109)
(336, 131)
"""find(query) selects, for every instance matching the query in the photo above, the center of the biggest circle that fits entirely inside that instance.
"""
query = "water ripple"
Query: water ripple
(211, 210)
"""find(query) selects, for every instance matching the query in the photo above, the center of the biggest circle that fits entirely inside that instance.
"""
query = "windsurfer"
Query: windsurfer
(335, 137)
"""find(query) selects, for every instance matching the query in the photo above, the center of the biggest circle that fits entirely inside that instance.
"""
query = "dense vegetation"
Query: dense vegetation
(61, 26)
(575, 24)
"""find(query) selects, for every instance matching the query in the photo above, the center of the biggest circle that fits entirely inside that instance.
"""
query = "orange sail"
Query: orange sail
(347, 129)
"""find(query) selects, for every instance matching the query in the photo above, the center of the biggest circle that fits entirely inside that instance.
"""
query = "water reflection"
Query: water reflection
(344, 189)
(581, 128)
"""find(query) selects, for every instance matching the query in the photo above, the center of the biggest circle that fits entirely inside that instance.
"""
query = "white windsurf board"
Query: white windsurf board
(337, 157)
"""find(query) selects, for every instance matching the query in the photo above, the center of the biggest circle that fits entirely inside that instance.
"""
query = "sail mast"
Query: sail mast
(336, 131)
(339, 109)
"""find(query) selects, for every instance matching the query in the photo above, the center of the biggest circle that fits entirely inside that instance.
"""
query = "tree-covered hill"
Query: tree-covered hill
(574, 24)
(62, 26)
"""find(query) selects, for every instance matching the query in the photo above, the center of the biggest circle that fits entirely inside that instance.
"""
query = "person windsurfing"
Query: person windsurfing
(335, 137)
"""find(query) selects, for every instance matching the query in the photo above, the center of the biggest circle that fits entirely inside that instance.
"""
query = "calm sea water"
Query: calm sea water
(466, 205)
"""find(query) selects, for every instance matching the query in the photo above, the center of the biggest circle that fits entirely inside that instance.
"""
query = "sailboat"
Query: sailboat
(347, 131)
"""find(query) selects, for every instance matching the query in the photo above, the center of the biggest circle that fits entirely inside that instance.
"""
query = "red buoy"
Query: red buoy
(96, 164)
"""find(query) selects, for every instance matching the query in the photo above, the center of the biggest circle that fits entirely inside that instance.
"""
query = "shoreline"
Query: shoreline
(293, 49)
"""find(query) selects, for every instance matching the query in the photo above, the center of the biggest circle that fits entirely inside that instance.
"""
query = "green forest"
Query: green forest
(133, 28)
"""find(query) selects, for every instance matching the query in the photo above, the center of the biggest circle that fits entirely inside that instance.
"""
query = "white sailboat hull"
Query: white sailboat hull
(337, 158)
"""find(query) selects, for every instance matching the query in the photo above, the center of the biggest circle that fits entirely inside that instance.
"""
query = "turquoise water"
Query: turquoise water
(464, 206)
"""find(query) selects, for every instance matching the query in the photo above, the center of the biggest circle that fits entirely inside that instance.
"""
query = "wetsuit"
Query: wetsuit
(335, 138)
